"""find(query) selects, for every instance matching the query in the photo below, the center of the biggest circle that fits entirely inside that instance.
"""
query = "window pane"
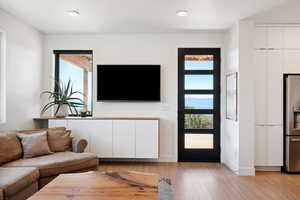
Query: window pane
(198, 62)
(78, 69)
(199, 101)
(199, 82)
(198, 121)
(198, 141)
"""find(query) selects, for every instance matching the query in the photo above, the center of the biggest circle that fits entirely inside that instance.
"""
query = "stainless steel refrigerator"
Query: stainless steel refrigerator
(292, 122)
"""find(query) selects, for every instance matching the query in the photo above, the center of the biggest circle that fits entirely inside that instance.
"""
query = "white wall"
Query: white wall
(24, 46)
(136, 49)
(246, 98)
(2, 76)
(238, 136)
(230, 128)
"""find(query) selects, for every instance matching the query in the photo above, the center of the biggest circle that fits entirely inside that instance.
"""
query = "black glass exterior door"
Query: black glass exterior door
(199, 104)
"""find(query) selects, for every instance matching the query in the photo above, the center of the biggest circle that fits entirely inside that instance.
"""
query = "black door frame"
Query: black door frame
(199, 155)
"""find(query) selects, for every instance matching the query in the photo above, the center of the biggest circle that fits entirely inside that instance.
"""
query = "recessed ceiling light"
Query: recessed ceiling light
(73, 13)
(182, 13)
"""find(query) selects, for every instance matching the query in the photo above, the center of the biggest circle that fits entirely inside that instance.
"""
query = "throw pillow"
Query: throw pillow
(34, 144)
(59, 139)
(10, 148)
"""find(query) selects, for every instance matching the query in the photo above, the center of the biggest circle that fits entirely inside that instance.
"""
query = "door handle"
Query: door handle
(295, 140)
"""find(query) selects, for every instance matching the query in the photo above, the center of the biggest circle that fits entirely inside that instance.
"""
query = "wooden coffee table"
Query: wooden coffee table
(100, 185)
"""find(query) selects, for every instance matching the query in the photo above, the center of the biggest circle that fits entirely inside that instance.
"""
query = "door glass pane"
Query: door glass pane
(198, 62)
(198, 141)
(198, 101)
(198, 121)
(198, 82)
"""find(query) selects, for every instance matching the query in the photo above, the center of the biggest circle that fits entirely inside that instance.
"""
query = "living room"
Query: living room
(183, 99)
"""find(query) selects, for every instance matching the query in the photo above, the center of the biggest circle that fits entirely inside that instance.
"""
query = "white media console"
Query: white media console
(114, 137)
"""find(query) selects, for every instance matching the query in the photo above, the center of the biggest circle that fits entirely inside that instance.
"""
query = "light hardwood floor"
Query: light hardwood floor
(213, 181)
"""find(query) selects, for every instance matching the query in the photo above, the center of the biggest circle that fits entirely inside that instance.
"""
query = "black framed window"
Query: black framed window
(77, 66)
(199, 104)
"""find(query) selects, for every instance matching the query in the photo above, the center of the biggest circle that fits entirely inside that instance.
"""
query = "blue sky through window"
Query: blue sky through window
(199, 101)
(75, 74)
(198, 82)
(198, 65)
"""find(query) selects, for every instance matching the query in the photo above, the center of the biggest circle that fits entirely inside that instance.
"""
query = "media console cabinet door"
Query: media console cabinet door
(146, 138)
(101, 138)
(123, 138)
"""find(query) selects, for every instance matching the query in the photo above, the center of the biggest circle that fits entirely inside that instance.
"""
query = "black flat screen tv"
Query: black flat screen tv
(128, 82)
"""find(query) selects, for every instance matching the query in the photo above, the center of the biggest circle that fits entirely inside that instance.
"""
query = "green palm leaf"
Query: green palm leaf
(63, 94)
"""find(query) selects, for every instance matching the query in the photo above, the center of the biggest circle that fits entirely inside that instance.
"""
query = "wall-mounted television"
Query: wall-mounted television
(128, 82)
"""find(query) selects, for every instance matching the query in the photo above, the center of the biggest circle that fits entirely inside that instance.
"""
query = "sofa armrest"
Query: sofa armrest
(78, 145)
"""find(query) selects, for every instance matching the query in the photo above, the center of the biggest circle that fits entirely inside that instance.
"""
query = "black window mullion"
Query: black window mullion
(199, 131)
(198, 111)
(199, 72)
(199, 92)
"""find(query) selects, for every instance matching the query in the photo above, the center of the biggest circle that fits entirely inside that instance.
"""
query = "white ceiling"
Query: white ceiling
(286, 13)
(100, 16)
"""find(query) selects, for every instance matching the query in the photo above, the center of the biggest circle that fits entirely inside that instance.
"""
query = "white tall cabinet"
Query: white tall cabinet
(269, 96)
(115, 138)
(277, 51)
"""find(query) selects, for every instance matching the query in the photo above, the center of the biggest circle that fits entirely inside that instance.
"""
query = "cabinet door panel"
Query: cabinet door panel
(58, 123)
(291, 60)
(292, 38)
(81, 129)
(260, 37)
(124, 138)
(146, 138)
(275, 146)
(261, 149)
(275, 37)
(101, 138)
(274, 88)
(261, 87)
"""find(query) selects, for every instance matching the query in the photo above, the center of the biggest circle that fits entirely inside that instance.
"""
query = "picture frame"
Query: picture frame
(232, 96)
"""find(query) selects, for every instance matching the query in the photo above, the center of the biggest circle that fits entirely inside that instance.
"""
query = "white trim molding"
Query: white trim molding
(2, 76)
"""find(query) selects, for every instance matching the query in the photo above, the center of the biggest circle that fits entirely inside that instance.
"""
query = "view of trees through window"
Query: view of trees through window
(201, 121)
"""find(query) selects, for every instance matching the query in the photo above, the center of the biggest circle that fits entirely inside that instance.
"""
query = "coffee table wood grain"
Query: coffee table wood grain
(100, 185)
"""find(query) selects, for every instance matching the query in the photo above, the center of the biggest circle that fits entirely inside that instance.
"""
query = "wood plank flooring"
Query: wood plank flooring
(214, 181)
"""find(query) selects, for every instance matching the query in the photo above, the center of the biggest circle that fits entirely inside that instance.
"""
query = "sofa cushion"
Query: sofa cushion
(34, 144)
(16, 179)
(57, 163)
(59, 139)
(10, 147)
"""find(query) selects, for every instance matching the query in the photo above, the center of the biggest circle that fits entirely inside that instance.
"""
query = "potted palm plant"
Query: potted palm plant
(63, 99)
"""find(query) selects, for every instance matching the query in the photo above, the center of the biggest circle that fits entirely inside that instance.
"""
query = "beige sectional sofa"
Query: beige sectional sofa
(21, 177)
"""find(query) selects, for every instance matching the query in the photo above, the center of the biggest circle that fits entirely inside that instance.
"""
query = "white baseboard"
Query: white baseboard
(268, 168)
(231, 166)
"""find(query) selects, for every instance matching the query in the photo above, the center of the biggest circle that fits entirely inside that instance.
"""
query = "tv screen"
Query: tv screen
(128, 82)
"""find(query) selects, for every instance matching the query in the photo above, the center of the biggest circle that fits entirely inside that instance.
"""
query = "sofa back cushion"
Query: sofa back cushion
(34, 144)
(59, 139)
(10, 147)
